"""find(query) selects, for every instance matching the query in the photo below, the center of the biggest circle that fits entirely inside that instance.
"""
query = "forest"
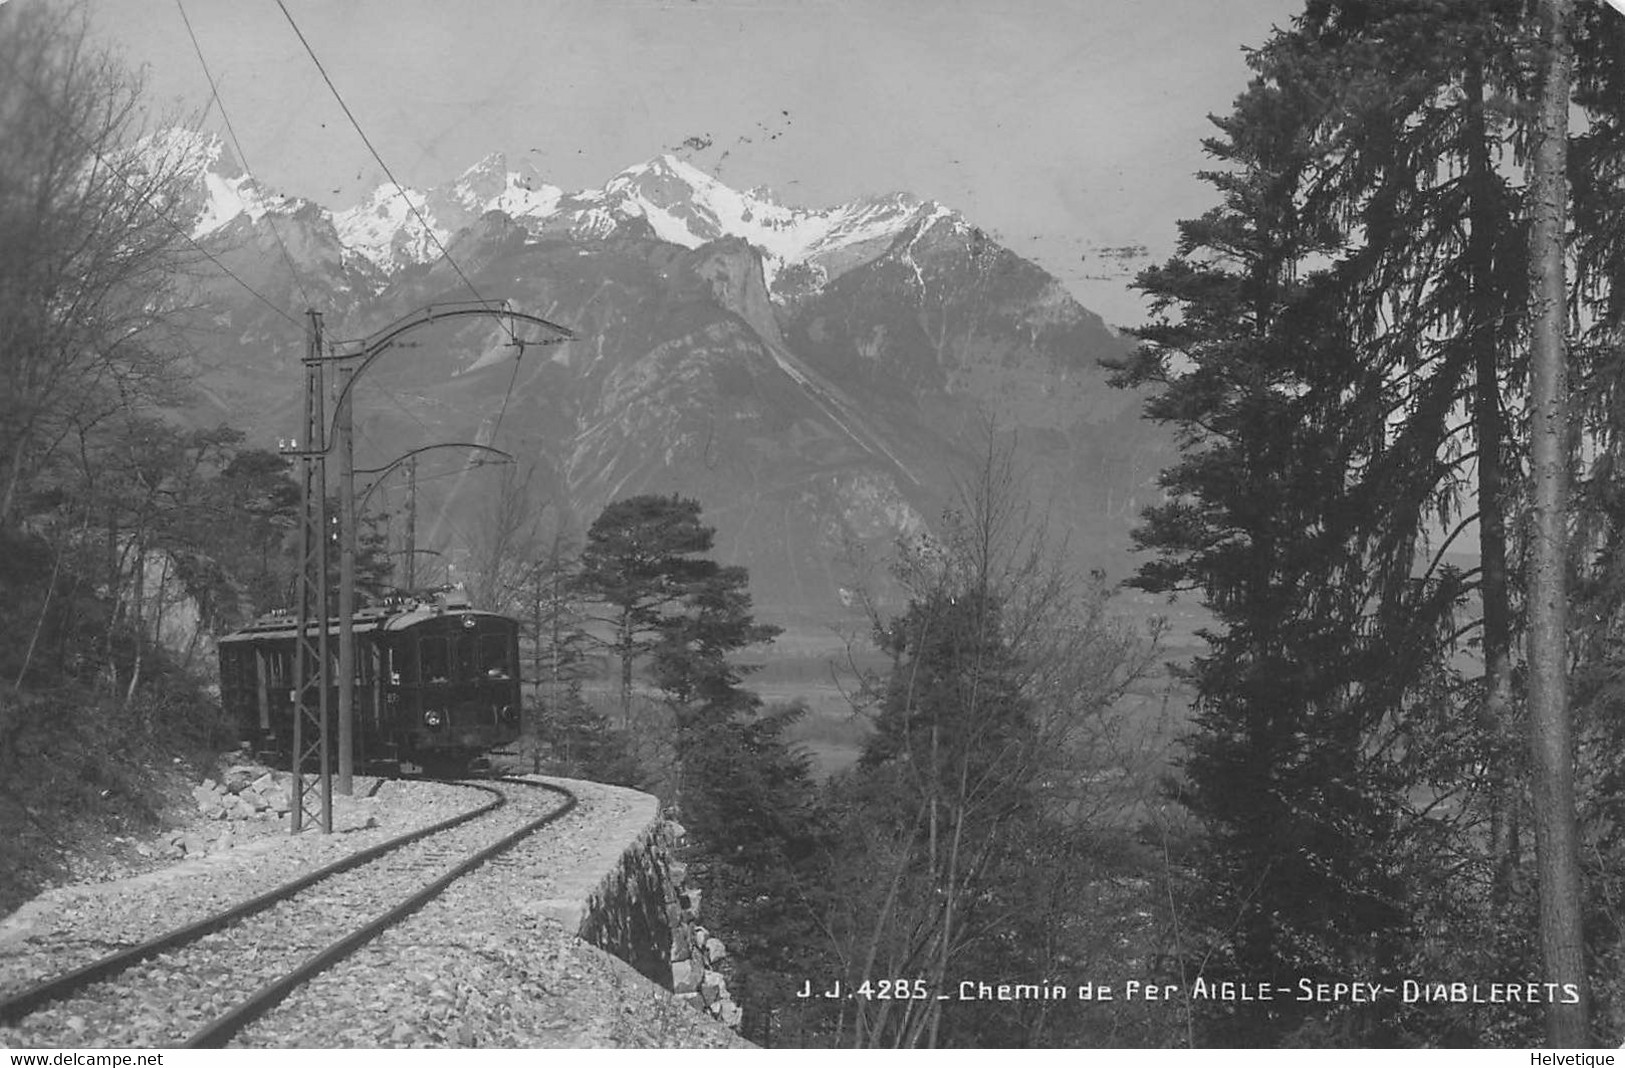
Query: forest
(1391, 353)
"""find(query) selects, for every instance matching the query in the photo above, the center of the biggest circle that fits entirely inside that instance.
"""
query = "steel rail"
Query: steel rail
(224, 1027)
(18, 1005)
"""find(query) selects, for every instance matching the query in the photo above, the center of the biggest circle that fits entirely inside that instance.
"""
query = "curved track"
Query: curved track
(187, 987)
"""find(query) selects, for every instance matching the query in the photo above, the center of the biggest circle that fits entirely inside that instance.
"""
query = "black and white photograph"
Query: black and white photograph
(797, 524)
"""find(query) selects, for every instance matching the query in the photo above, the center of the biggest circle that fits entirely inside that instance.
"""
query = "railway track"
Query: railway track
(198, 985)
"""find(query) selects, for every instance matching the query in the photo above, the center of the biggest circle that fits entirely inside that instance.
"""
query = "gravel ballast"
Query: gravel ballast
(491, 962)
(487, 963)
(65, 928)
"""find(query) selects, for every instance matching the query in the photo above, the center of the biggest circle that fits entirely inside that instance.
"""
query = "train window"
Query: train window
(468, 663)
(403, 664)
(435, 657)
(278, 669)
(494, 656)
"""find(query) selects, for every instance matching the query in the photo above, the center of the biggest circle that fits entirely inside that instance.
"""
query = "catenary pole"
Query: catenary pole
(310, 644)
(347, 549)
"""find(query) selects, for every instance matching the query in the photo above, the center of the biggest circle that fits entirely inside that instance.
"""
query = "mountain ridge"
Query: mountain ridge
(815, 377)
(680, 203)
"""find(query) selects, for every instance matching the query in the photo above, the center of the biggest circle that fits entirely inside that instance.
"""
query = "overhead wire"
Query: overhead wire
(389, 395)
(146, 199)
(160, 213)
(366, 438)
(445, 516)
(427, 229)
(237, 145)
(513, 338)
(512, 380)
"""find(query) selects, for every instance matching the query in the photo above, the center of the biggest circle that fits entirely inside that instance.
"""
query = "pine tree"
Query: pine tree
(1283, 512)
(1344, 344)
(640, 561)
(1597, 579)
(743, 791)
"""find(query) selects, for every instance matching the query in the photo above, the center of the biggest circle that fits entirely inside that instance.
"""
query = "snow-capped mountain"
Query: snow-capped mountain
(815, 377)
(688, 207)
(222, 191)
(393, 228)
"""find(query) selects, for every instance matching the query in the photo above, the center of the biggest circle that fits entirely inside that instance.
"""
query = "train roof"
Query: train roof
(395, 614)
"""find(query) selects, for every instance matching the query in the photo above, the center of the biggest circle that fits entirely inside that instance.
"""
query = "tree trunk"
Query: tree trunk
(115, 598)
(625, 650)
(39, 623)
(14, 476)
(1550, 733)
(1489, 421)
(137, 617)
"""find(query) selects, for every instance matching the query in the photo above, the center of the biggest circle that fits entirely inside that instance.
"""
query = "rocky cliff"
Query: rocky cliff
(815, 378)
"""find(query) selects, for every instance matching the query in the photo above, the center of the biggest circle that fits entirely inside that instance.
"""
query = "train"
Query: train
(436, 683)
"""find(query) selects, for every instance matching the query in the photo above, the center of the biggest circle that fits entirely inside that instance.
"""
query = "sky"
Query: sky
(1067, 128)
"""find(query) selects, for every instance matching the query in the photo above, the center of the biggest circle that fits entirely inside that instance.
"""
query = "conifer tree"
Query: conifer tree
(1597, 581)
(743, 791)
(1259, 518)
(640, 561)
(1343, 343)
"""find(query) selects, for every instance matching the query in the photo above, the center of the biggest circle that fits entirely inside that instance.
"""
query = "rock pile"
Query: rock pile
(245, 792)
(245, 801)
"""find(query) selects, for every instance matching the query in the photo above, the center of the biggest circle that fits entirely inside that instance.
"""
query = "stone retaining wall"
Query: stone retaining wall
(627, 914)
(633, 901)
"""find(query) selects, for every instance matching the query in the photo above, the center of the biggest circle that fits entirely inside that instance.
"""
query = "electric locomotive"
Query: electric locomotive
(436, 682)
